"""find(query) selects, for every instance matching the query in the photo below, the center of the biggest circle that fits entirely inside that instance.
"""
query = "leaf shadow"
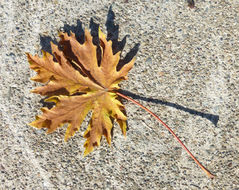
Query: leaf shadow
(211, 117)
(77, 29)
(113, 35)
(45, 42)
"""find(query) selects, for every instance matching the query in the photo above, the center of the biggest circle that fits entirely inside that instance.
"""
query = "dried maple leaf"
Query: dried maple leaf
(90, 87)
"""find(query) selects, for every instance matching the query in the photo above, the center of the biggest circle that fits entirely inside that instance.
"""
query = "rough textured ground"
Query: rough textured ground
(187, 72)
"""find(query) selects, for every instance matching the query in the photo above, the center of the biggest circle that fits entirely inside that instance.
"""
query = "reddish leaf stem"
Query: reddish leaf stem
(209, 174)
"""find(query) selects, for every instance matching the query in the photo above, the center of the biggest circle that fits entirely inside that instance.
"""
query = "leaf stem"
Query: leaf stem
(209, 174)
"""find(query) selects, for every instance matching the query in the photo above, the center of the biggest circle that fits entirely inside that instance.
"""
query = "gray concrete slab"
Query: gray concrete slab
(186, 72)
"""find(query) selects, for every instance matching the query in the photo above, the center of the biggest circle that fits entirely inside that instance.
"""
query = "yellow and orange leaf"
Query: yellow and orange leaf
(78, 84)
(90, 87)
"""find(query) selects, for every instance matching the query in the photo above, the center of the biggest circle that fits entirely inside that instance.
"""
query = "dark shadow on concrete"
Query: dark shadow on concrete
(94, 31)
(113, 32)
(211, 117)
(76, 29)
(45, 43)
(129, 56)
(113, 35)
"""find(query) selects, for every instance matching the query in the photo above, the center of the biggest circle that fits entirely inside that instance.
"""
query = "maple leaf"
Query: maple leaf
(90, 87)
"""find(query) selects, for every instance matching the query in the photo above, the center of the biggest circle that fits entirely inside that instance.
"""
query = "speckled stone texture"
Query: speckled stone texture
(187, 72)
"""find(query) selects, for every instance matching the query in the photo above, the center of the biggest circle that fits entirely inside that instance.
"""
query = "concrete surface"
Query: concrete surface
(187, 72)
